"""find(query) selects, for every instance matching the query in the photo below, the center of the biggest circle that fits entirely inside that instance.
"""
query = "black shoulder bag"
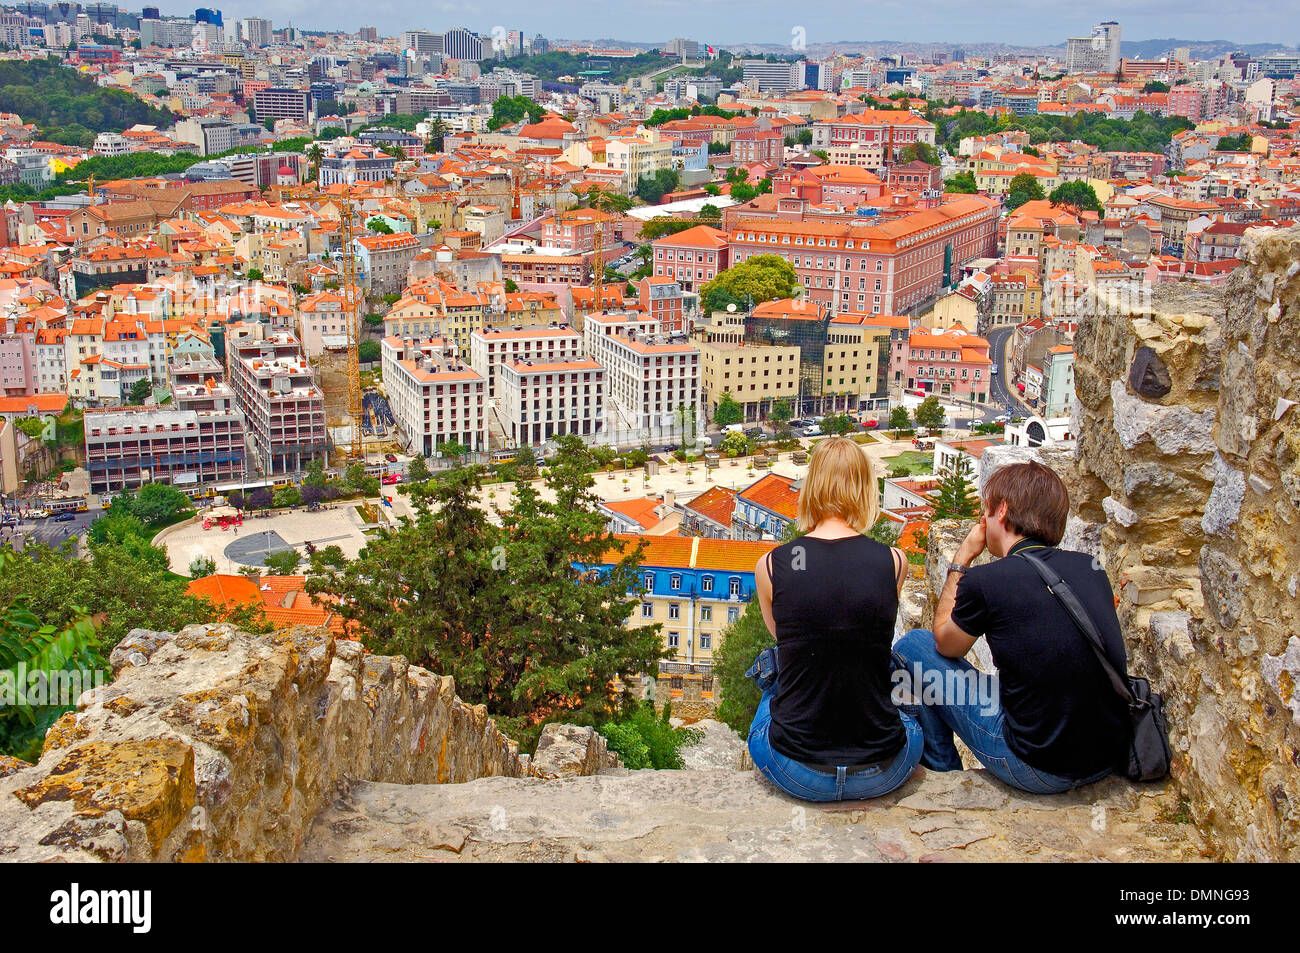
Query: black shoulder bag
(1149, 756)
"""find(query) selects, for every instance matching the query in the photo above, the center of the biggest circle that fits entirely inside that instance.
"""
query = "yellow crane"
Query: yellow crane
(353, 321)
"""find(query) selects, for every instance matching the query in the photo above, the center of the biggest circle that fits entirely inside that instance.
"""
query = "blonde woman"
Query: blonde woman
(827, 729)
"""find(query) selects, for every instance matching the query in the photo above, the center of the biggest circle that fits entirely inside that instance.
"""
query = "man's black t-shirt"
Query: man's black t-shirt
(1062, 714)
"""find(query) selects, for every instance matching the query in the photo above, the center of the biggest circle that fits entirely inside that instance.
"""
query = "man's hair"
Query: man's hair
(839, 483)
(1037, 501)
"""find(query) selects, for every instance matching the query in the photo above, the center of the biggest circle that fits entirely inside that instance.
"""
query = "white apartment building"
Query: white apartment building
(489, 348)
(648, 378)
(435, 397)
(545, 399)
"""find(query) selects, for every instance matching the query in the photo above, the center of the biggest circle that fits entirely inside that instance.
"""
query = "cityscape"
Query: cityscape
(289, 313)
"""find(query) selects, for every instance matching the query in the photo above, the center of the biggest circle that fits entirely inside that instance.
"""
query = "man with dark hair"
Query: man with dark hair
(1049, 720)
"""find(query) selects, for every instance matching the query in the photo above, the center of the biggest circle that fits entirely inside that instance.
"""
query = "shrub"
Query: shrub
(740, 645)
(201, 566)
(646, 740)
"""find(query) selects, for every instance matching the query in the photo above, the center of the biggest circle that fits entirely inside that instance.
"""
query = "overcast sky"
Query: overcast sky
(1027, 22)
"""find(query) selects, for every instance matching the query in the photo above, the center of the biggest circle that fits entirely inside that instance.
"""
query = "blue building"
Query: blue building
(694, 587)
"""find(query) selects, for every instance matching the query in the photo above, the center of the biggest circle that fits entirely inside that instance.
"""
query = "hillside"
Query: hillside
(68, 106)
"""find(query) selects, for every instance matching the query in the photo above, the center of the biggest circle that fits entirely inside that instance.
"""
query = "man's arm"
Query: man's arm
(949, 638)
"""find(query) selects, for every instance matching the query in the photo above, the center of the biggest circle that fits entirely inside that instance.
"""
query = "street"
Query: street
(47, 531)
(999, 390)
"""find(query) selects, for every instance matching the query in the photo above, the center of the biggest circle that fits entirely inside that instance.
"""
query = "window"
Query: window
(649, 580)
(706, 584)
(732, 614)
(647, 610)
(706, 615)
(706, 641)
(674, 610)
(735, 586)
(673, 642)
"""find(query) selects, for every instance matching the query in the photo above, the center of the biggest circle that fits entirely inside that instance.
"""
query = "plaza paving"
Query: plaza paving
(249, 544)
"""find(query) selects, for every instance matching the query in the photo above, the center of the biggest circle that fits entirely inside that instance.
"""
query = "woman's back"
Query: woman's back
(834, 602)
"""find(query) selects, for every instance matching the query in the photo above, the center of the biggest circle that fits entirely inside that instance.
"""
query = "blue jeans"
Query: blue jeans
(816, 784)
(969, 705)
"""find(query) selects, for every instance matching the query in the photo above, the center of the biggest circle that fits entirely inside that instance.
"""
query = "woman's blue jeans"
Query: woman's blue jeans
(817, 784)
(956, 697)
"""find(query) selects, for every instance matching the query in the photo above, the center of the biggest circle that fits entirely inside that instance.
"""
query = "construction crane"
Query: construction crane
(353, 321)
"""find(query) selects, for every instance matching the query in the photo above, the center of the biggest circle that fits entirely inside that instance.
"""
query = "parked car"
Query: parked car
(390, 457)
(994, 370)
(388, 479)
(754, 432)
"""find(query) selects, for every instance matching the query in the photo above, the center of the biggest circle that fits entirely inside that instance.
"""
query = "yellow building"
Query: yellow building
(754, 375)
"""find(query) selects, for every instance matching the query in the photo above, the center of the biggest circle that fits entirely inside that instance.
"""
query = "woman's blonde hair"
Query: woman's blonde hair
(840, 483)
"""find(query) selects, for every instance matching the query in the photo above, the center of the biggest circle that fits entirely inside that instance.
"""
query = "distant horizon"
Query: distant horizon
(1027, 23)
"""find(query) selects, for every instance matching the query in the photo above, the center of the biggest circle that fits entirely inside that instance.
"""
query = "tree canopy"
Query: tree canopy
(761, 278)
(510, 610)
(508, 110)
(1079, 195)
(1024, 188)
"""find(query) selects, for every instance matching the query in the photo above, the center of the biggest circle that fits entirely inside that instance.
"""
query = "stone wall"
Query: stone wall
(213, 744)
(1186, 484)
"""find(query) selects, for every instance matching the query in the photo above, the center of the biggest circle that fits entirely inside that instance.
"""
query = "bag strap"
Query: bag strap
(1059, 588)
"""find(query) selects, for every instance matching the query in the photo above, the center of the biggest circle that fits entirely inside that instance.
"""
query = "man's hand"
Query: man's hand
(972, 545)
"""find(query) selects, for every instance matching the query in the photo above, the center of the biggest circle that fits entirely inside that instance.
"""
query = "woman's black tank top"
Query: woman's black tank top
(834, 602)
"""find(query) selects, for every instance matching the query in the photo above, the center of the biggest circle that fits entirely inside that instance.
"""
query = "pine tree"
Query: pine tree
(954, 499)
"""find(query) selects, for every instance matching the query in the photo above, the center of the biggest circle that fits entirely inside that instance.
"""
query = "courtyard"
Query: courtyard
(258, 537)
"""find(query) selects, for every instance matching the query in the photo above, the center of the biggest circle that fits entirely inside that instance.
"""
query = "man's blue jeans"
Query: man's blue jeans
(815, 784)
(954, 696)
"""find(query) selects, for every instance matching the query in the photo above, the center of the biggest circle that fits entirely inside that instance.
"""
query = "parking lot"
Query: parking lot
(248, 545)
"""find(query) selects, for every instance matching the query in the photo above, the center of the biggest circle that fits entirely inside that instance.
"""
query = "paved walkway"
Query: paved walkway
(248, 544)
(730, 815)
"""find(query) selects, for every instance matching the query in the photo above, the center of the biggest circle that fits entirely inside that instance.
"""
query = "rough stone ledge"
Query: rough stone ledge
(215, 744)
(729, 815)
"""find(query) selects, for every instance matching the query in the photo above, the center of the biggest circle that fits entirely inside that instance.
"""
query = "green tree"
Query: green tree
(838, 424)
(780, 415)
(954, 498)
(508, 110)
(1024, 188)
(36, 645)
(369, 351)
(962, 183)
(740, 645)
(254, 274)
(651, 189)
(314, 476)
(283, 563)
(509, 611)
(141, 391)
(734, 444)
(379, 225)
(159, 503)
(899, 419)
(417, 471)
(758, 279)
(729, 411)
(287, 496)
(1078, 195)
(929, 413)
(919, 150)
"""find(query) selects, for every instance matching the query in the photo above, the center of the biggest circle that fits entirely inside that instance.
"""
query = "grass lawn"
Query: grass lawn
(915, 460)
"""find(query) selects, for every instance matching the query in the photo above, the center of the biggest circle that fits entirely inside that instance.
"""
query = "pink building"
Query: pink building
(954, 363)
(692, 258)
